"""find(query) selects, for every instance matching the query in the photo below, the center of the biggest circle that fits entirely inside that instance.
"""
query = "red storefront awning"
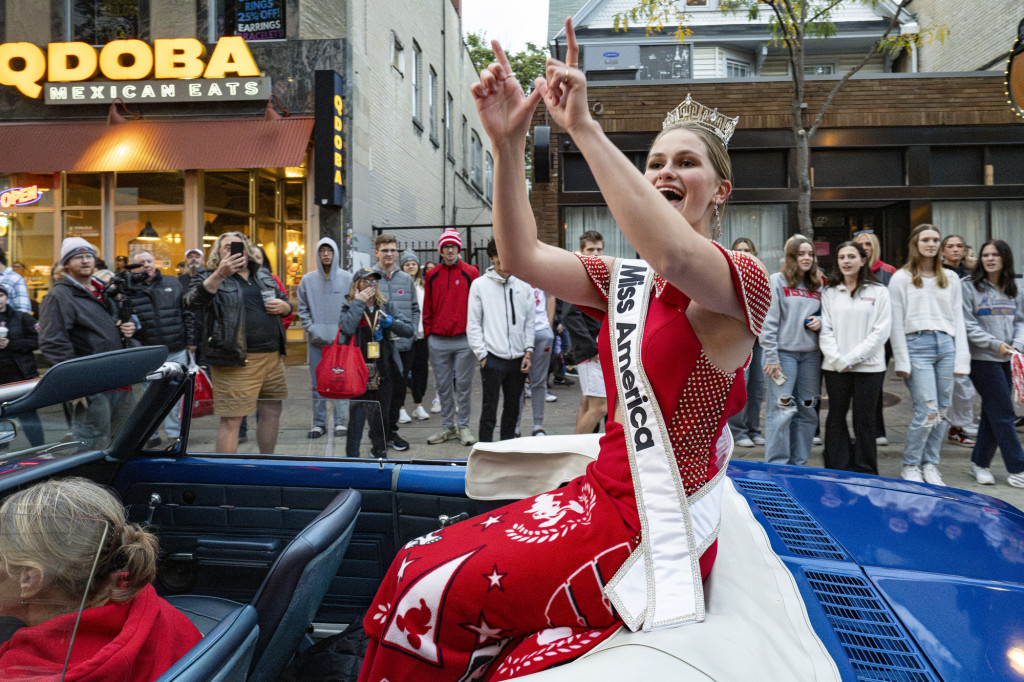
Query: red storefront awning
(136, 146)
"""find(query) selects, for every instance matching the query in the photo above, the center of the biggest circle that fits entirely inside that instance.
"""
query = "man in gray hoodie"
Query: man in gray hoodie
(399, 290)
(321, 295)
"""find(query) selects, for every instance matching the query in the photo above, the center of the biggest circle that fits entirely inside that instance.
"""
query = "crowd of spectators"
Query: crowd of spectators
(952, 326)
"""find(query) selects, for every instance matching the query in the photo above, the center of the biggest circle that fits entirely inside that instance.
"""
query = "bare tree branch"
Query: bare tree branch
(849, 74)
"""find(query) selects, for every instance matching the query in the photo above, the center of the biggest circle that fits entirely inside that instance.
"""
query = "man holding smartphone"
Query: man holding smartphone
(245, 341)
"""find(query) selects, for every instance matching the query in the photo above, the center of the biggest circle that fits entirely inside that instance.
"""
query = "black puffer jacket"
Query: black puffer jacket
(17, 361)
(73, 323)
(224, 316)
(161, 310)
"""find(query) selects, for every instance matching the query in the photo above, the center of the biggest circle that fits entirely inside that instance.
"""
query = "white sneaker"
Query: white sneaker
(1016, 480)
(403, 417)
(982, 475)
(912, 473)
(744, 442)
(420, 413)
(931, 474)
(435, 406)
(550, 397)
(971, 431)
(882, 440)
(817, 440)
(758, 440)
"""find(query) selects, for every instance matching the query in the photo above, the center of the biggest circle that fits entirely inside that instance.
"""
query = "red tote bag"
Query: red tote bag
(1017, 370)
(202, 392)
(342, 372)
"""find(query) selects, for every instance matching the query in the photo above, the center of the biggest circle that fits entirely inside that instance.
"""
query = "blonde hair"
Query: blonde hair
(915, 259)
(213, 260)
(56, 527)
(812, 279)
(876, 248)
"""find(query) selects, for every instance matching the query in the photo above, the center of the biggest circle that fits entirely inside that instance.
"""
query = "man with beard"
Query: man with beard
(75, 321)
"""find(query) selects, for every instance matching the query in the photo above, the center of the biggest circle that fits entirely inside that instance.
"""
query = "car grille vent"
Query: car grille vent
(799, 531)
(874, 641)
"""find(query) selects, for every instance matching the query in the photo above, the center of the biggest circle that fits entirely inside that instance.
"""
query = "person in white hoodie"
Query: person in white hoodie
(321, 295)
(500, 327)
(929, 346)
(855, 323)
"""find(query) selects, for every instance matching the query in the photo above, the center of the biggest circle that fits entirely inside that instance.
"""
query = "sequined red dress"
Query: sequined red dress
(519, 590)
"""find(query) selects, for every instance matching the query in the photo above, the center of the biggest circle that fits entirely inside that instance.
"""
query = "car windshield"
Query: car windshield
(63, 429)
(48, 594)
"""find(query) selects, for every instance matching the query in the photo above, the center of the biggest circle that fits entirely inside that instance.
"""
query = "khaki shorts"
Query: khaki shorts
(235, 389)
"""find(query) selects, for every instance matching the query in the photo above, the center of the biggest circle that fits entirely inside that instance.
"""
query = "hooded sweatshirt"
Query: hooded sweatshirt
(132, 641)
(321, 296)
(991, 318)
(785, 325)
(501, 316)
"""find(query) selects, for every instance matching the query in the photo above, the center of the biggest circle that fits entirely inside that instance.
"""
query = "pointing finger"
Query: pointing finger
(572, 53)
(499, 54)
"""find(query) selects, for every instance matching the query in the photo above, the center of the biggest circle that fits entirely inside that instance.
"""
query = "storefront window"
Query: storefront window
(87, 224)
(83, 189)
(266, 198)
(227, 190)
(29, 241)
(149, 189)
(25, 189)
(294, 204)
(158, 232)
(98, 23)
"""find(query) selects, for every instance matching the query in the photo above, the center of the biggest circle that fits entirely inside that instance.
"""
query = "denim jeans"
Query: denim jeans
(747, 422)
(340, 407)
(932, 357)
(995, 386)
(791, 418)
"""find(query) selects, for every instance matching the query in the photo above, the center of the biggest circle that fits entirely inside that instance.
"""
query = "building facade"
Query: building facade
(160, 124)
(896, 148)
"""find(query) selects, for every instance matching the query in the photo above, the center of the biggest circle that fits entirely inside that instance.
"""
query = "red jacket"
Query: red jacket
(446, 298)
(132, 641)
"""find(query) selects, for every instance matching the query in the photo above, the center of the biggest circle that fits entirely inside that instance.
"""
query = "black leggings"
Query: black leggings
(420, 370)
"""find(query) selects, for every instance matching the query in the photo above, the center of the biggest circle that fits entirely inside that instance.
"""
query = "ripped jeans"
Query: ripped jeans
(791, 417)
(932, 357)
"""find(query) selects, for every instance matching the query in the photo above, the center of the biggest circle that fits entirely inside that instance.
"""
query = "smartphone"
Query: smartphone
(779, 378)
(237, 248)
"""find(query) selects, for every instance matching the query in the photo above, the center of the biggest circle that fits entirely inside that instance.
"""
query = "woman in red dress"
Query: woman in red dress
(543, 580)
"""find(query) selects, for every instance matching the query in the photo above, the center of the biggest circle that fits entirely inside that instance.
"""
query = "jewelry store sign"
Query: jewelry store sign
(172, 70)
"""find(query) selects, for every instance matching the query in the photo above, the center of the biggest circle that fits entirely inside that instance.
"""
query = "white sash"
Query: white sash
(660, 584)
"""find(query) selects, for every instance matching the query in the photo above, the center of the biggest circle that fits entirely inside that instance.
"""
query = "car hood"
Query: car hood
(949, 563)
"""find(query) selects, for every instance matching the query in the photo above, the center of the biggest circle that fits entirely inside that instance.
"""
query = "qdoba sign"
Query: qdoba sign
(178, 66)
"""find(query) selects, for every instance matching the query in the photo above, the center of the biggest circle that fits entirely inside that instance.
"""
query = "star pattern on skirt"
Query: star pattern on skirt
(490, 521)
(494, 579)
(406, 562)
(484, 630)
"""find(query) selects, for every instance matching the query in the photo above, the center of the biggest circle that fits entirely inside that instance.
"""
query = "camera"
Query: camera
(121, 289)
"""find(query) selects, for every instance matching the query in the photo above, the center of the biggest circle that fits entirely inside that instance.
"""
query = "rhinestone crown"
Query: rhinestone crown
(711, 120)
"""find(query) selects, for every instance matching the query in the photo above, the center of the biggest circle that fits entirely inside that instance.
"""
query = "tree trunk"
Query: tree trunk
(803, 178)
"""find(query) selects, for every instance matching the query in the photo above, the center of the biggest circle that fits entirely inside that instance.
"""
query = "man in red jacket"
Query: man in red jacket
(445, 307)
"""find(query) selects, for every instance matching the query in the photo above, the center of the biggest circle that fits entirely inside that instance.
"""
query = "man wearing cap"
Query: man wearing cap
(75, 321)
(321, 295)
(445, 308)
(194, 267)
(397, 287)
(164, 321)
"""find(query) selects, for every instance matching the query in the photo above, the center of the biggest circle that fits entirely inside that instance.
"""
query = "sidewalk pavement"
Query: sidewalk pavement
(560, 417)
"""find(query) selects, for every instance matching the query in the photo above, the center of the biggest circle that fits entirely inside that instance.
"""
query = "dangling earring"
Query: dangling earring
(718, 224)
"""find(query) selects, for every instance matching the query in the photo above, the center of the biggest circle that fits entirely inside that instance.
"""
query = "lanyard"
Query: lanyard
(376, 317)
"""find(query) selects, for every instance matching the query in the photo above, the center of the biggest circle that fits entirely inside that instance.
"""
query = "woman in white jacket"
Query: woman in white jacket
(855, 323)
(929, 345)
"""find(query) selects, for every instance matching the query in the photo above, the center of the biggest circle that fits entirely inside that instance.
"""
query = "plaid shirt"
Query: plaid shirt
(17, 291)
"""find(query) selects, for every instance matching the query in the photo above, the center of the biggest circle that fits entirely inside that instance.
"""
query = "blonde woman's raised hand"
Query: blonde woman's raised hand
(565, 90)
(505, 110)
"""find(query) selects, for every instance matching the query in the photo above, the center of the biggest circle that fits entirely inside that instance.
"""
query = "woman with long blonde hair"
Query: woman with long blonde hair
(792, 360)
(929, 345)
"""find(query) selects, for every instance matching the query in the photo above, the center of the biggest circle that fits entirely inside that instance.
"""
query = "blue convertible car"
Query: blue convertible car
(821, 574)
